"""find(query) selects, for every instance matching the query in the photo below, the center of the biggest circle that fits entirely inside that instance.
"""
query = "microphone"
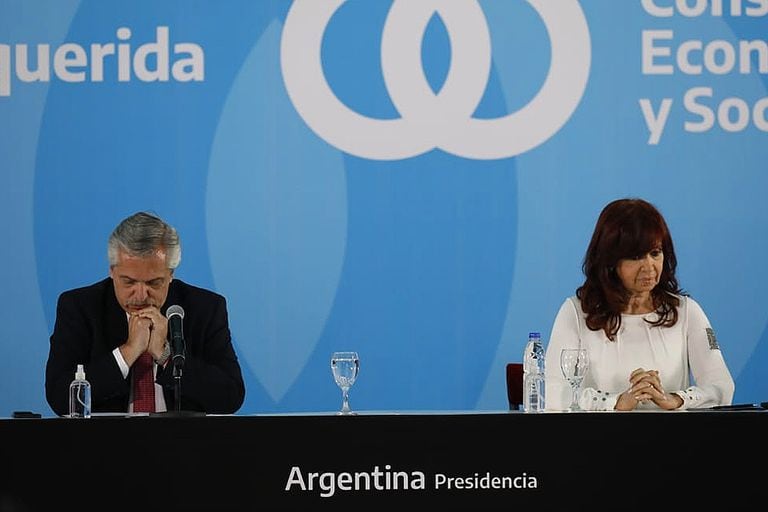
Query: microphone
(175, 315)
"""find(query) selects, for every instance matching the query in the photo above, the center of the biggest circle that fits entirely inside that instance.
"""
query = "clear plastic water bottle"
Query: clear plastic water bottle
(80, 395)
(533, 374)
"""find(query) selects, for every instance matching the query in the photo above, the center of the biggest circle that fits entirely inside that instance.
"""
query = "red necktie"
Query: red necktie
(143, 384)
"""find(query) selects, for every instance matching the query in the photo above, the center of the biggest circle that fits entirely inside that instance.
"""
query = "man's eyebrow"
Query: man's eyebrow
(129, 278)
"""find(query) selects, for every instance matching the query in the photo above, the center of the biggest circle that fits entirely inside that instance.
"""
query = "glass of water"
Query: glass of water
(345, 366)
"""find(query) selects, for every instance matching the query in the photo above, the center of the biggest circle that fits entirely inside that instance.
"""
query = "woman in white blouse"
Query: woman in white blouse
(645, 337)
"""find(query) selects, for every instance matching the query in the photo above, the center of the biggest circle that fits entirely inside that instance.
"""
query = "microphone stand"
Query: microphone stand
(178, 366)
(177, 369)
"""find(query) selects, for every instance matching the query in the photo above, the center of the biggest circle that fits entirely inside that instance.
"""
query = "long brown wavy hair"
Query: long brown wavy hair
(626, 228)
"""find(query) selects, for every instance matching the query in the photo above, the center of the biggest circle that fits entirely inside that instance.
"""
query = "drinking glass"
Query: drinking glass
(574, 362)
(345, 366)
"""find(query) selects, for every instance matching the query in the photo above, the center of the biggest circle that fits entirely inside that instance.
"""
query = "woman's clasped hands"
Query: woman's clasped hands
(645, 385)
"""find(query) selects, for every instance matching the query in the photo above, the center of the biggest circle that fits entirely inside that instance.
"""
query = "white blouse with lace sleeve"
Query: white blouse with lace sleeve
(684, 353)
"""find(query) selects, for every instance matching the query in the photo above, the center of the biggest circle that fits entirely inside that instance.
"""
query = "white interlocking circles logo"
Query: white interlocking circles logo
(429, 120)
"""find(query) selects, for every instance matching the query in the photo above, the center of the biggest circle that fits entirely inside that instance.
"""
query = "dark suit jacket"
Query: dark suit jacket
(90, 324)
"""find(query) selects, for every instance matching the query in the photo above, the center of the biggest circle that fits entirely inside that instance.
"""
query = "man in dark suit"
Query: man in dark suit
(112, 326)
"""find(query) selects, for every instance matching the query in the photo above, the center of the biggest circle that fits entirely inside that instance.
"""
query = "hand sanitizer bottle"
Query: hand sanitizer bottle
(80, 395)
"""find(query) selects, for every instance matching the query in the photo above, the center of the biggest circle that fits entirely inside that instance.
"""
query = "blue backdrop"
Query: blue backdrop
(416, 181)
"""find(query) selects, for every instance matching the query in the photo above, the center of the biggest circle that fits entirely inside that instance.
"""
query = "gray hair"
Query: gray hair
(142, 234)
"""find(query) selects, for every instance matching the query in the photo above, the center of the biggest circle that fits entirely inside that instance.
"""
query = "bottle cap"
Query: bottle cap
(534, 335)
(80, 373)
